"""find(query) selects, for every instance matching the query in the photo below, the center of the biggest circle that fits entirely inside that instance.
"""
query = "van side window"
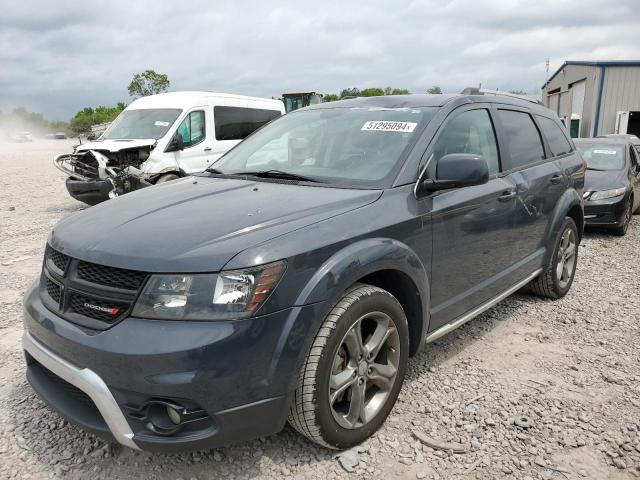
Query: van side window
(522, 138)
(556, 138)
(470, 132)
(236, 123)
(192, 128)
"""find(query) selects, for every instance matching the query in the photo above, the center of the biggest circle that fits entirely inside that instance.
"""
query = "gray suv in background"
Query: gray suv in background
(294, 278)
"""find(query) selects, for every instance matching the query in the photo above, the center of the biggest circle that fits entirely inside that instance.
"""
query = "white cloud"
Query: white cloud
(57, 57)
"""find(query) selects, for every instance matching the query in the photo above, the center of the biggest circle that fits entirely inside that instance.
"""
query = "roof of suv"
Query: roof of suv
(427, 100)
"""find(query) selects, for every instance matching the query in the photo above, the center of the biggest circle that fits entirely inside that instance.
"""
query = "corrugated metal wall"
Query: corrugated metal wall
(621, 92)
(564, 80)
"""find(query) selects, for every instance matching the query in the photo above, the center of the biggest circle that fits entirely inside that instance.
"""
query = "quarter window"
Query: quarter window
(556, 138)
(236, 123)
(521, 137)
(192, 128)
(470, 132)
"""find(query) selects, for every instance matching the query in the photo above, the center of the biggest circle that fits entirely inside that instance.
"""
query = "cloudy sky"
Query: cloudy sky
(57, 57)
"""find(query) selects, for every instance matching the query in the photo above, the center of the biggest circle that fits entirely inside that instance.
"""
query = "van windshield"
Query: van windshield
(358, 147)
(141, 124)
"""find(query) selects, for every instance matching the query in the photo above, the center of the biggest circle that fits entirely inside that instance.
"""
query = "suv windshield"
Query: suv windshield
(141, 124)
(359, 147)
(602, 156)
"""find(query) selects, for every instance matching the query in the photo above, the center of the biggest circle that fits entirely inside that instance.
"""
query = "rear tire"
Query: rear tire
(354, 370)
(557, 277)
(621, 231)
(167, 177)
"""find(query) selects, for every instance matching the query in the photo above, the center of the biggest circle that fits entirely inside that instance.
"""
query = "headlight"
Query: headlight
(607, 194)
(226, 295)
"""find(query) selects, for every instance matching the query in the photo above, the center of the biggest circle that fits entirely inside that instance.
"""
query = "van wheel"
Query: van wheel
(354, 370)
(557, 277)
(167, 177)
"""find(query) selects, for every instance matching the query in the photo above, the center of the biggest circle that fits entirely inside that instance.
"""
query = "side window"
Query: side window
(555, 136)
(236, 123)
(470, 132)
(522, 138)
(192, 128)
(633, 157)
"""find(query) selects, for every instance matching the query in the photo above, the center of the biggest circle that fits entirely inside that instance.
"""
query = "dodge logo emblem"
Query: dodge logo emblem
(110, 310)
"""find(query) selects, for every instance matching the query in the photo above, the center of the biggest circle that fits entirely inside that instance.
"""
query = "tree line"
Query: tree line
(373, 92)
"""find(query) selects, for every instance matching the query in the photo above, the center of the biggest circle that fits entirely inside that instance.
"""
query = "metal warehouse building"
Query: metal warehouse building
(596, 98)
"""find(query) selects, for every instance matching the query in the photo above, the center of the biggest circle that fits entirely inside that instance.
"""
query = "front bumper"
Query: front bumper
(239, 373)
(606, 213)
(91, 193)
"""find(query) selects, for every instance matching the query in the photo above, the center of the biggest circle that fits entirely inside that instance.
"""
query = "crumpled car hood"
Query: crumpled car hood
(197, 224)
(115, 145)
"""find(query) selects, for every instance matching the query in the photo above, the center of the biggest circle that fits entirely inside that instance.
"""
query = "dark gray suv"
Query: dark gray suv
(293, 279)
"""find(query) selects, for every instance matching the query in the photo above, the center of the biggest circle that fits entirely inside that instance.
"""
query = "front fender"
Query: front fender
(360, 259)
(567, 201)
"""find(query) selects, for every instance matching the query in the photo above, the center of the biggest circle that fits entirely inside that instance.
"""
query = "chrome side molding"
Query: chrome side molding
(449, 327)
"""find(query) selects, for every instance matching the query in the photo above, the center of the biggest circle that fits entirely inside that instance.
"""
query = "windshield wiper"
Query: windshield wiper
(596, 169)
(213, 170)
(276, 174)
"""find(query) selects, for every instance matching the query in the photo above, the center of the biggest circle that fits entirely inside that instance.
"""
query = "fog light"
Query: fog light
(174, 416)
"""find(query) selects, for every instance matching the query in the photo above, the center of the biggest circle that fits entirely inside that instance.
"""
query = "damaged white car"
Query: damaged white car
(161, 138)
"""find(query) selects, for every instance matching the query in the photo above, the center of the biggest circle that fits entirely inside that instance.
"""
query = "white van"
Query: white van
(160, 138)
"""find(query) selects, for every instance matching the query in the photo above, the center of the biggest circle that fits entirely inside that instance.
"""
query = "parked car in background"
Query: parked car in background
(161, 138)
(21, 137)
(612, 184)
(201, 312)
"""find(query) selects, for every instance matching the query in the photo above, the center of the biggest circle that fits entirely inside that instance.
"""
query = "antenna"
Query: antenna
(546, 68)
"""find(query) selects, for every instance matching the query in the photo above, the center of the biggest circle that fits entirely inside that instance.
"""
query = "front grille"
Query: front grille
(60, 260)
(102, 310)
(87, 294)
(111, 276)
(53, 290)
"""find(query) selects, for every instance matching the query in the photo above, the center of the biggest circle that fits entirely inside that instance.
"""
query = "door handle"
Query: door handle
(207, 149)
(506, 196)
(556, 179)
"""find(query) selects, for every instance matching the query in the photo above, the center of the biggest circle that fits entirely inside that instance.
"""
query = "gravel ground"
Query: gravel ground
(568, 372)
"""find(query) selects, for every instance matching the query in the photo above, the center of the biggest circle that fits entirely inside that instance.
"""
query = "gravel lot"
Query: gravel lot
(571, 369)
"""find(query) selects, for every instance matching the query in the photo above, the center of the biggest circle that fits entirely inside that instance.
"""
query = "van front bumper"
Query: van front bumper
(231, 381)
(89, 192)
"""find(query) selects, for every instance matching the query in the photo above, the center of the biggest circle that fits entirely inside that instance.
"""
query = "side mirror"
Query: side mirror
(457, 170)
(176, 143)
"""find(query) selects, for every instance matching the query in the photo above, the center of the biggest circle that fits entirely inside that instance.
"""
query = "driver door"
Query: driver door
(472, 226)
(196, 154)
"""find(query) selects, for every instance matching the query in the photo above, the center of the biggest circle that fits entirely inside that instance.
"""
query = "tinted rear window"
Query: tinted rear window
(522, 138)
(236, 123)
(555, 136)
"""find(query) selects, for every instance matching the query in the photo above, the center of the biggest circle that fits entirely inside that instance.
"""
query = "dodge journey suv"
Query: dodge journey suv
(293, 279)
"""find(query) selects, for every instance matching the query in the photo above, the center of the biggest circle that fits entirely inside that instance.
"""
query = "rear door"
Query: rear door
(635, 175)
(538, 181)
(472, 226)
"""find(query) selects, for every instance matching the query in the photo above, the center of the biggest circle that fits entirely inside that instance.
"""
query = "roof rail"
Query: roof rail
(482, 91)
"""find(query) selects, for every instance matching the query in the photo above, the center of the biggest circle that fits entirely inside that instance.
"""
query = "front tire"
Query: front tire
(557, 277)
(354, 370)
(167, 177)
(621, 230)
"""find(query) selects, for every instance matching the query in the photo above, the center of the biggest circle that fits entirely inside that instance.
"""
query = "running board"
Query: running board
(449, 327)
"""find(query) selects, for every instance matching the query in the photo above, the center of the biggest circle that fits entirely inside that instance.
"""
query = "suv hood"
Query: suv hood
(197, 224)
(115, 145)
(605, 180)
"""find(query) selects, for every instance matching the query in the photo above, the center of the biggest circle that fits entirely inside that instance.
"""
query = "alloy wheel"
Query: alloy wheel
(566, 258)
(364, 370)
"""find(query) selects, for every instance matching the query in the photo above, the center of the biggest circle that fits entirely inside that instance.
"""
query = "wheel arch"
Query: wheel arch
(381, 262)
(569, 204)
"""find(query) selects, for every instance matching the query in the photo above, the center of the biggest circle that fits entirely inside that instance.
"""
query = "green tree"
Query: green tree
(330, 97)
(518, 92)
(148, 83)
(350, 92)
(372, 92)
(435, 90)
(85, 118)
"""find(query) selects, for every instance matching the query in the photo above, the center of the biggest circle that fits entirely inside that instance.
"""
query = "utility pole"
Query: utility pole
(546, 68)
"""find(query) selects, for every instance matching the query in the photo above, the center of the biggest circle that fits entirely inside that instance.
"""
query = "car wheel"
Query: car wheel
(167, 177)
(624, 226)
(354, 371)
(557, 277)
